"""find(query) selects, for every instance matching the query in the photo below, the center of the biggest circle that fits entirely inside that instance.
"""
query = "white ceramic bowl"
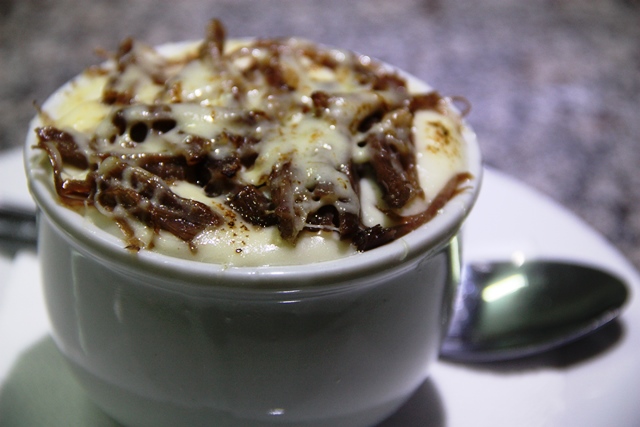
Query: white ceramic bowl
(159, 341)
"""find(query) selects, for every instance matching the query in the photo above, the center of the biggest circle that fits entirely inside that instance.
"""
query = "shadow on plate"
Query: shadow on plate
(575, 353)
(423, 409)
(40, 391)
(9, 249)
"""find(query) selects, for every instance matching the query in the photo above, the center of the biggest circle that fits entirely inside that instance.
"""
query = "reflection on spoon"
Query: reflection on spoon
(507, 310)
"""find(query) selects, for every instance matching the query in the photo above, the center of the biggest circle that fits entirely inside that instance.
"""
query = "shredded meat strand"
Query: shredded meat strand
(285, 188)
(372, 237)
(125, 189)
(253, 206)
(61, 148)
(393, 160)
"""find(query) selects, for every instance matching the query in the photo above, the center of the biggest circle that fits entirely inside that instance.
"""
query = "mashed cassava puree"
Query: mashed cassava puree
(251, 152)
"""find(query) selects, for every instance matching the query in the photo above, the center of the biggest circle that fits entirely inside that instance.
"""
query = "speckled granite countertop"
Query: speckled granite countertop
(554, 84)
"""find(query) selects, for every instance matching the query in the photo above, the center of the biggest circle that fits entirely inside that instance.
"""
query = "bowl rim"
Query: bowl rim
(424, 241)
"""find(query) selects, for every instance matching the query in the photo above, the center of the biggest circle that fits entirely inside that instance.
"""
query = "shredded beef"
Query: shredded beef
(171, 168)
(286, 187)
(253, 206)
(393, 160)
(62, 149)
(66, 145)
(372, 237)
(125, 189)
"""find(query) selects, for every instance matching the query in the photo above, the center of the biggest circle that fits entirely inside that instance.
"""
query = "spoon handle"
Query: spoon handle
(17, 225)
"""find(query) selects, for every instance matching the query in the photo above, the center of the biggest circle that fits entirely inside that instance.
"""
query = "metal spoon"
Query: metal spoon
(17, 228)
(505, 310)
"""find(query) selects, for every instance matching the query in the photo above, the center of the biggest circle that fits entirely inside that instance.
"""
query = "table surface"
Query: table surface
(554, 85)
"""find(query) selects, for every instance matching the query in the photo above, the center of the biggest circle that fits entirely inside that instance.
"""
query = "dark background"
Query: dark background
(555, 85)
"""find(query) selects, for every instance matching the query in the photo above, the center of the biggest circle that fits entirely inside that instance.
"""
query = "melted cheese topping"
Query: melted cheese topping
(193, 101)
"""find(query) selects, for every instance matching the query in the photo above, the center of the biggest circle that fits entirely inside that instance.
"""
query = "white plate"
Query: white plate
(595, 382)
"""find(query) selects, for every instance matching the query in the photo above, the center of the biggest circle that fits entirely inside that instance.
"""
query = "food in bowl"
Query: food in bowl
(221, 238)
(253, 152)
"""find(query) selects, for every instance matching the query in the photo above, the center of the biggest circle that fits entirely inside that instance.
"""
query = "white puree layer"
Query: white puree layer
(439, 143)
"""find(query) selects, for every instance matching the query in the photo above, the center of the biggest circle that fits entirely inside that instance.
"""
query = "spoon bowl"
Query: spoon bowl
(507, 310)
